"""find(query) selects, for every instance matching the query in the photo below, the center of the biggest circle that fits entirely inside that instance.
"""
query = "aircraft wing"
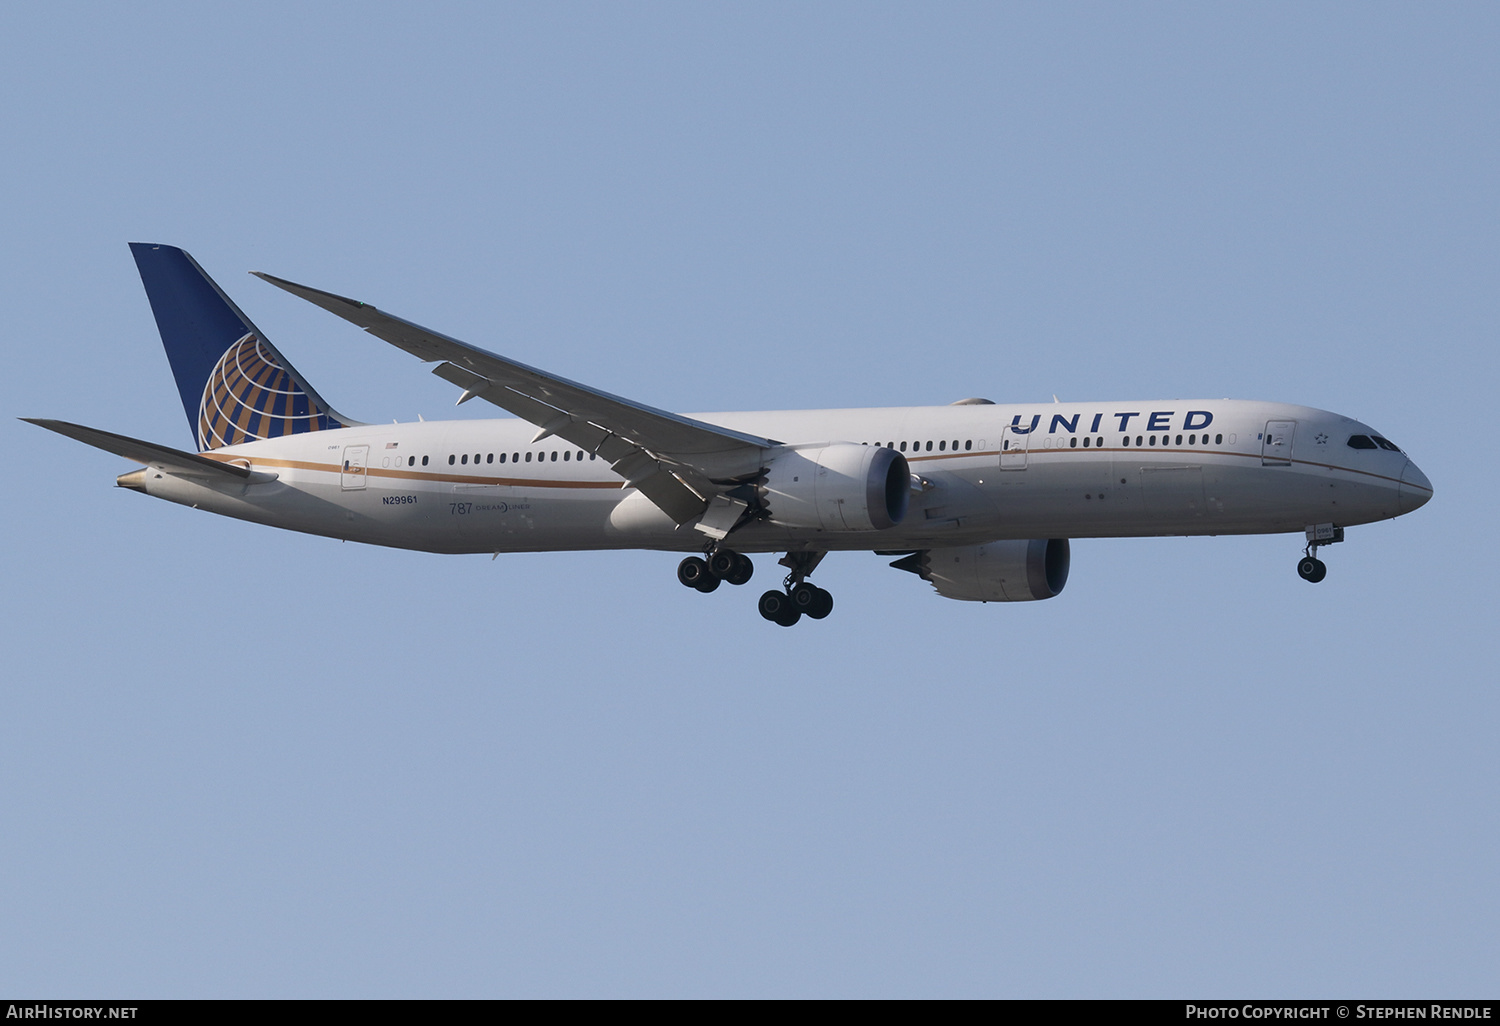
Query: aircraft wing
(183, 464)
(677, 462)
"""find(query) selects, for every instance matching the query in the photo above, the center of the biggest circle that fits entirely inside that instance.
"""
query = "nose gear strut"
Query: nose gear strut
(1310, 568)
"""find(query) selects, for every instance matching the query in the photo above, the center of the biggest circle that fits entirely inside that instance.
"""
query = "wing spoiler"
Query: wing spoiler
(676, 462)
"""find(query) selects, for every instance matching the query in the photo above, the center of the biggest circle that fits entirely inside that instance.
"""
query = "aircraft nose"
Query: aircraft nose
(1415, 488)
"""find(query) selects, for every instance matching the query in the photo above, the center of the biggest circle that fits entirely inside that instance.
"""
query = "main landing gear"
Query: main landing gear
(720, 565)
(800, 597)
(1310, 568)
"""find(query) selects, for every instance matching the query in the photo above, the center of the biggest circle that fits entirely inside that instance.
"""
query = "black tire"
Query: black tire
(822, 605)
(789, 618)
(708, 584)
(743, 570)
(1309, 569)
(1320, 573)
(723, 563)
(803, 596)
(692, 572)
(773, 604)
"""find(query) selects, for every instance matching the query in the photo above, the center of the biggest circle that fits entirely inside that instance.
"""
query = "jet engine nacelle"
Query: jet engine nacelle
(1002, 571)
(839, 487)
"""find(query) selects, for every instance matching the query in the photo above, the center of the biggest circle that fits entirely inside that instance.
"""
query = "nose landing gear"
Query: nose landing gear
(1310, 568)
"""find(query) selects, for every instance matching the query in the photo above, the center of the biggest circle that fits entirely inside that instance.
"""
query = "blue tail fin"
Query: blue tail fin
(235, 386)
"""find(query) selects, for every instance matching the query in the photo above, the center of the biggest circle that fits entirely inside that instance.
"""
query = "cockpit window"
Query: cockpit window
(1360, 442)
(1385, 443)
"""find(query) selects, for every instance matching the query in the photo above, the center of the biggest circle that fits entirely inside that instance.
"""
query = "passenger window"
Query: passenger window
(502, 457)
(968, 445)
(942, 446)
(567, 454)
(903, 446)
(515, 457)
(1179, 439)
(1072, 443)
(476, 458)
(1127, 440)
(528, 457)
(490, 458)
(1153, 439)
(450, 459)
(1086, 442)
(1218, 439)
(465, 460)
(424, 461)
(1192, 439)
(1137, 439)
(554, 455)
(411, 461)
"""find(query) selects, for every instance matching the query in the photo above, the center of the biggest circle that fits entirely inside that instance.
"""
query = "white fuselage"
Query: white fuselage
(1176, 467)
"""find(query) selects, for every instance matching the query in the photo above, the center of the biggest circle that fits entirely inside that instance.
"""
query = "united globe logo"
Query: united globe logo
(251, 396)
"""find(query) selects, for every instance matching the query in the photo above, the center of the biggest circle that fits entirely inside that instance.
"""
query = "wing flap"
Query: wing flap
(668, 489)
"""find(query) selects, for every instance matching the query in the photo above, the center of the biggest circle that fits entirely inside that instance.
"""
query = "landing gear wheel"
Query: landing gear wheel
(777, 607)
(731, 566)
(1311, 569)
(693, 572)
(742, 572)
(822, 605)
(708, 584)
(804, 596)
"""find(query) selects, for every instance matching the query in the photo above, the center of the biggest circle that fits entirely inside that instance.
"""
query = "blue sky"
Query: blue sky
(238, 762)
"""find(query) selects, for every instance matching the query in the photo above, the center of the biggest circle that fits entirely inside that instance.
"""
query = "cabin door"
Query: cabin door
(355, 458)
(1013, 447)
(1276, 443)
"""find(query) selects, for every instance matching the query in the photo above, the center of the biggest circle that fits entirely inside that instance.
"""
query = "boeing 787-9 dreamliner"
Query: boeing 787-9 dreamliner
(976, 498)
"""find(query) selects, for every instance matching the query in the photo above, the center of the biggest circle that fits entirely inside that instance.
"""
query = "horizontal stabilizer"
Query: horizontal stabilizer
(183, 464)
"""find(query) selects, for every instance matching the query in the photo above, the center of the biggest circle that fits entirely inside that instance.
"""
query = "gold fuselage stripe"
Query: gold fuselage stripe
(529, 482)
